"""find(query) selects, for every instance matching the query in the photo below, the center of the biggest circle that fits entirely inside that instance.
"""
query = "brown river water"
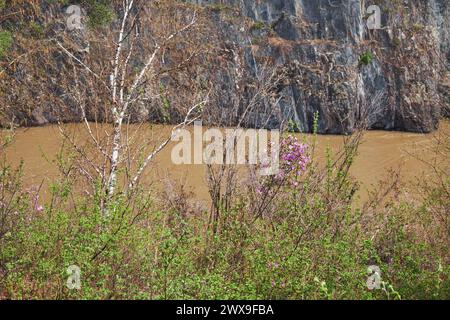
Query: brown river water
(379, 152)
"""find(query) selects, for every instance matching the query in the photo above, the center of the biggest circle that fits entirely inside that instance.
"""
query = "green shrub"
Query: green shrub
(100, 14)
(258, 25)
(366, 58)
(6, 41)
(35, 30)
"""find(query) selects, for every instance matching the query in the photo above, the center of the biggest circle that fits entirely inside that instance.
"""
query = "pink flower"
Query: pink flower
(38, 208)
(294, 160)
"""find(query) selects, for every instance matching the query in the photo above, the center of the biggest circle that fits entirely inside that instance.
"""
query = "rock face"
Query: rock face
(393, 77)
(387, 78)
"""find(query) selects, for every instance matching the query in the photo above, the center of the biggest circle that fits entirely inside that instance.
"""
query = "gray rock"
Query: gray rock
(393, 78)
(323, 40)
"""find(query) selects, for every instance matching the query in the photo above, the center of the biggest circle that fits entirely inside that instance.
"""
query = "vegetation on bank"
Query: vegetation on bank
(293, 236)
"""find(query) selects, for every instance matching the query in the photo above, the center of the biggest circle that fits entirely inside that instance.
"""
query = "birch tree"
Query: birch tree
(125, 86)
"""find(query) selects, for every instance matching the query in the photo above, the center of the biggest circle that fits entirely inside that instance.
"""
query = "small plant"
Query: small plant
(293, 126)
(417, 27)
(166, 105)
(258, 25)
(35, 30)
(5, 42)
(217, 6)
(366, 58)
(100, 14)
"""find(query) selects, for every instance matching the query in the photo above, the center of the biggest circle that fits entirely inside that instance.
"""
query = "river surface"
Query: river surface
(379, 152)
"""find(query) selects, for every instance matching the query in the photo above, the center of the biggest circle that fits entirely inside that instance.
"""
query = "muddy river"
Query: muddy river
(379, 152)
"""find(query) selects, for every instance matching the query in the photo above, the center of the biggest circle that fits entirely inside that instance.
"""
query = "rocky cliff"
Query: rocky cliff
(393, 76)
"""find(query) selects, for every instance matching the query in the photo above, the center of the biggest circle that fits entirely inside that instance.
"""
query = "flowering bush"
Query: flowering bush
(294, 159)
